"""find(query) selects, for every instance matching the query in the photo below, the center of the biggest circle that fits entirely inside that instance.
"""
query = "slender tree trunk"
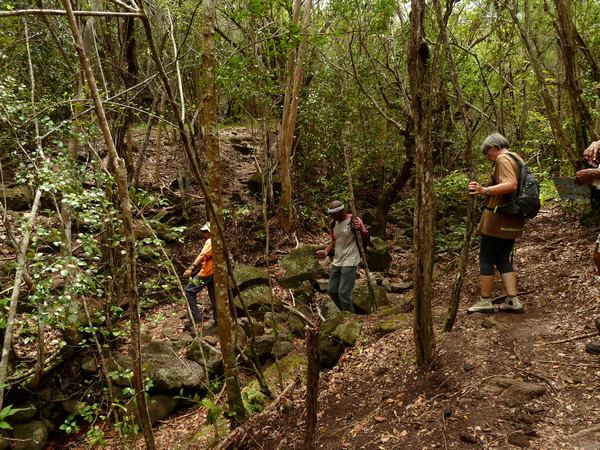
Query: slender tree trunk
(582, 121)
(471, 168)
(419, 74)
(120, 174)
(14, 299)
(295, 64)
(159, 140)
(536, 64)
(312, 386)
(391, 191)
(209, 118)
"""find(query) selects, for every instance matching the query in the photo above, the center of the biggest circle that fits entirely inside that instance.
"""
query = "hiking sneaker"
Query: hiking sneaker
(484, 305)
(511, 305)
(593, 348)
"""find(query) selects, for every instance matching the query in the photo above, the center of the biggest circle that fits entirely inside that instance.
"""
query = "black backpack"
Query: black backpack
(526, 201)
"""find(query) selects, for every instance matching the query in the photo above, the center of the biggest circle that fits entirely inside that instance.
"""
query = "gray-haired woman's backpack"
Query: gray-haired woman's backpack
(526, 201)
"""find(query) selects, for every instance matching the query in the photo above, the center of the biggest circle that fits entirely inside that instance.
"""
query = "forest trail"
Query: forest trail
(376, 399)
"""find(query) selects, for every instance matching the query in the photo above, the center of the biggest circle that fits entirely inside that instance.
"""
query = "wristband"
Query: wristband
(486, 191)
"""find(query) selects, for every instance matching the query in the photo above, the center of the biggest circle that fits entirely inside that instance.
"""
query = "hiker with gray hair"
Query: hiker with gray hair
(498, 230)
(346, 257)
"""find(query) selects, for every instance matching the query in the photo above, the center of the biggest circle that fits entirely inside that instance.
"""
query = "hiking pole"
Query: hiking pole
(359, 242)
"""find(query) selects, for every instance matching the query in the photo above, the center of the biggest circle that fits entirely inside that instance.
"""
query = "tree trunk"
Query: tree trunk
(237, 412)
(471, 167)
(288, 121)
(419, 74)
(14, 299)
(312, 386)
(391, 191)
(536, 64)
(568, 49)
(120, 173)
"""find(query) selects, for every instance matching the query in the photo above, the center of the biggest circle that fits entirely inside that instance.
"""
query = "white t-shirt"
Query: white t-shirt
(346, 249)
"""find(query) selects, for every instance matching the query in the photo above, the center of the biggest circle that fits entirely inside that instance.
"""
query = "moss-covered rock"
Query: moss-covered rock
(30, 436)
(348, 332)
(299, 265)
(257, 298)
(248, 276)
(212, 356)
(254, 184)
(393, 323)
(361, 297)
(379, 256)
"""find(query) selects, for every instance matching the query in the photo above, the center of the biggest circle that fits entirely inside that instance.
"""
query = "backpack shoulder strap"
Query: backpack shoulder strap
(516, 160)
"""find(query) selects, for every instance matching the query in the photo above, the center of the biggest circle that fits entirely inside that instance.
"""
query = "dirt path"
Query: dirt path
(376, 399)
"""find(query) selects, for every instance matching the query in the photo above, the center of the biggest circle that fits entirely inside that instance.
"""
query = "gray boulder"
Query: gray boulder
(248, 325)
(295, 324)
(257, 298)
(248, 276)
(263, 346)
(281, 348)
(30, 436)
(160, 407)
(255, 184)
(396, 288)
(299, 265)
(331, 347)
(166, 370)
(330, 310)
(379, 256)
(212, 356)
(361, 297)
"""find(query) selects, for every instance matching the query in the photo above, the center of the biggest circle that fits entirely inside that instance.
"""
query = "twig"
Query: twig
(560, 363)
(587, 430)
(541, 377)
(574, 338)
(501, 298)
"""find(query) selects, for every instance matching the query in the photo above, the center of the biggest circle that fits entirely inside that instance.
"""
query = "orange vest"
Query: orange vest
(206, 259)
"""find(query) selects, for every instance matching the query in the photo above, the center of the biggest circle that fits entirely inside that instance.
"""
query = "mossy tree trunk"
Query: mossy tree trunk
(419, 73)
(237, 412)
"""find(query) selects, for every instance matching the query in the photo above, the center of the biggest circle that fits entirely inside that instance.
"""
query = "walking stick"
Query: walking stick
(357, 235)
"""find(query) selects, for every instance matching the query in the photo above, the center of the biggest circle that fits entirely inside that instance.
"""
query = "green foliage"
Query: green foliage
(87, 412)
(5, 413)
(254, 400)
(214, 411)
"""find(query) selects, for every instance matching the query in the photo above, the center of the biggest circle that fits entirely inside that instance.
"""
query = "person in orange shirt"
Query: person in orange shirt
(202, 275)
